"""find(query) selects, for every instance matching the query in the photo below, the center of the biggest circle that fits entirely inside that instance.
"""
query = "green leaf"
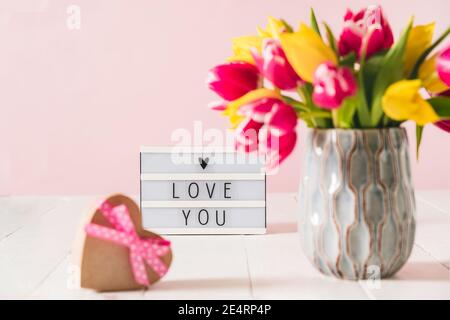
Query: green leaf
(419, 134)
(441, 106)
(321, 114)
(305, 92)
(425, 54)
(363, 109)
(346, 113)
(315, 114)
(369, 73)
(391, 71)
(287, 26)
(362, 106)
(314, 23)
(312, 118)
(331, 39)
(348, 60)
(297, 105)
(308, 121)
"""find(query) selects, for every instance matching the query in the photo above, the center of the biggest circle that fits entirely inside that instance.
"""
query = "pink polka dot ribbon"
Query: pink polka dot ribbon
(141, 250)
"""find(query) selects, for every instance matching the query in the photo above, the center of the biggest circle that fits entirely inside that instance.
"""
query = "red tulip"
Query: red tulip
(270, 128)
(232, 80)
(332, 85)
(367, 28)
(275, 67)
(443, 66)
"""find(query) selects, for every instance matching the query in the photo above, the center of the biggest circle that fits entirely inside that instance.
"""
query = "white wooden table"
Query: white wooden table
(36, 235)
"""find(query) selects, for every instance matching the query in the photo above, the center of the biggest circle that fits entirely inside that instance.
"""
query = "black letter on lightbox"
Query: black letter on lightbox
(199, 216)
(186, 216)
(217, 218)
(173, 192)
(226, 187)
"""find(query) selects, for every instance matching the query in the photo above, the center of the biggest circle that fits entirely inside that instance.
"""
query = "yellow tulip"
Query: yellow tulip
(430, 78)
(232, 110)
(274, 29)
(419, 39)
(402, 101)
(242, 47)
(305, 51)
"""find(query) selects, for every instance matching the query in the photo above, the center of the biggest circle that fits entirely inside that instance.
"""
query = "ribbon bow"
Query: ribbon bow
(124, 233)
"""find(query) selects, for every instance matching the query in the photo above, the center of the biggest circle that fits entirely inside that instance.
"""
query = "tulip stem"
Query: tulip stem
(419, 136)
(334, 116)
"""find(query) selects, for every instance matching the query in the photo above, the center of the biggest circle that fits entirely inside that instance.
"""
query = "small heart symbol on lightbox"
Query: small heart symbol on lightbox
(203, 162)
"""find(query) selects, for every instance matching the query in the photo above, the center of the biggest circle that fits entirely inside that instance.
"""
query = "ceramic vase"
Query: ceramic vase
(356, 202)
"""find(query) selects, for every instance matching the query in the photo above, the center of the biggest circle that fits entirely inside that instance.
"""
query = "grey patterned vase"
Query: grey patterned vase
(356, 202)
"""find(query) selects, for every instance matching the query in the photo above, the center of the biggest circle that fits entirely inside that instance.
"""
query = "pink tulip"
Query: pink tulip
(277, 148)
(217, 105)
(270, 128)
(367, 28)
(444, 124)
(232, 80)
(443, 66)
(332, 85)
(275, 67)
(247, 135)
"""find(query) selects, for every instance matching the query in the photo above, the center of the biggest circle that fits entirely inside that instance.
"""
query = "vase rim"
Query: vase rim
(358, 129)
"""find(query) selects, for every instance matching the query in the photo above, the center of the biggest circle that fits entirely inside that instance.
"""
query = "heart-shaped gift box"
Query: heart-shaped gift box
(105, 264)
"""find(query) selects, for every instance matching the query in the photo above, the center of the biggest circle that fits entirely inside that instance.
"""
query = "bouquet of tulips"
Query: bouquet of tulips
(362, 79)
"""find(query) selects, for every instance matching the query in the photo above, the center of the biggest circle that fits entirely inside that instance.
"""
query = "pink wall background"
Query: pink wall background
(76, 105)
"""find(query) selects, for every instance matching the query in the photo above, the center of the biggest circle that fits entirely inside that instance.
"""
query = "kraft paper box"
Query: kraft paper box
(105, 265)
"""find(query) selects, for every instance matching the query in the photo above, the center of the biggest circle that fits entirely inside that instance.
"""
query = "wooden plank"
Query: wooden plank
(440, 199)
(205, 267)
(214, 267)
(15, 212)
(223, 269)
(32, 253)
(63, 284)
(201, 265)
(421, 278)
(433, 234)
(279, 270)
